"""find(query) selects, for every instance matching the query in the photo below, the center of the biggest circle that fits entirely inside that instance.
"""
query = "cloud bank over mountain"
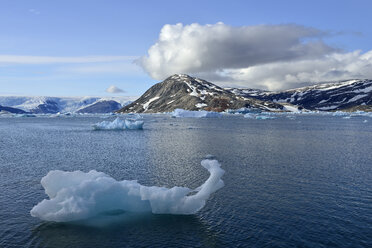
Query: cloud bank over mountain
(114, 90)
(264, 56)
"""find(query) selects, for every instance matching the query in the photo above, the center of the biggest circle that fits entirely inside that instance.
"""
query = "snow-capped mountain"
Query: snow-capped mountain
(190, 93)
(342, 95)
(51, 105)
(101, 106)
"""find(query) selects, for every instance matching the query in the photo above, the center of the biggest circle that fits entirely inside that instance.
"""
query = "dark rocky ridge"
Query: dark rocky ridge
(12, 110)
(186, 92)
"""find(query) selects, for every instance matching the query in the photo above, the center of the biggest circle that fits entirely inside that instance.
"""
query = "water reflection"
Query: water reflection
(127, 230)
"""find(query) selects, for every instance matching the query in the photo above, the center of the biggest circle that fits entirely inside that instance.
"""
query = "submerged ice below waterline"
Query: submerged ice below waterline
(78, 195)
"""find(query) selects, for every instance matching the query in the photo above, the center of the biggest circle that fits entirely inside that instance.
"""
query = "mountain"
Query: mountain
(46, 107)
(190, 93)
(51, 105)
(11, 110)
(347, 95)
(104, 106)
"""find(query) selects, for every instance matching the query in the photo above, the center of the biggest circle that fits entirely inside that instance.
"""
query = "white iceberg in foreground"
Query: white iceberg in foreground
(119, 124)
(78, 195)
(195, 114)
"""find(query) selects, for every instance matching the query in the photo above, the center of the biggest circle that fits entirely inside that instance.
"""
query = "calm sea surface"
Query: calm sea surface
(303, 182)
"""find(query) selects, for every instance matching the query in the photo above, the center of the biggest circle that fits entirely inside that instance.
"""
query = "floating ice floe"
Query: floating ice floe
(119, 124)
(264, 117)
(339, 113)
(250, 116)
(243, 111)
(25, 115)
(258, 117)
(195, 114)
(78, 195)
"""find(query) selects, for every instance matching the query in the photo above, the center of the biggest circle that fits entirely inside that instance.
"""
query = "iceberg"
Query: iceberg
(118, 124)
(195, 114)
(78, 195)
(133, 124)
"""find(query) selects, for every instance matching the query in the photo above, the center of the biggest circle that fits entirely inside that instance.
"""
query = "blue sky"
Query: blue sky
(76, 48)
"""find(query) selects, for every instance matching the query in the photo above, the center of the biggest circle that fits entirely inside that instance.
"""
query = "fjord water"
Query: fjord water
(289, 182)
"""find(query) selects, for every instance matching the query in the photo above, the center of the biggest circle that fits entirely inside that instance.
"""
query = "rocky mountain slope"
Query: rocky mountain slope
(186, 92)
(52, 105)
(347, 95)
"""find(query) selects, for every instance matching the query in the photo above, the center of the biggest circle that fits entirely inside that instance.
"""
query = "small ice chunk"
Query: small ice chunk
(264, 117)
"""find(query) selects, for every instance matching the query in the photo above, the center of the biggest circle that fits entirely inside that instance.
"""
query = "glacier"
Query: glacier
(78, 195)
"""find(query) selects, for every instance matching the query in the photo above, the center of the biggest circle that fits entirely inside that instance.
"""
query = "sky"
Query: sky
(114, 47)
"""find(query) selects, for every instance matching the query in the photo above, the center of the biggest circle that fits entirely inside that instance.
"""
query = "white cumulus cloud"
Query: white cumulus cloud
(114, 90)
(262, 56)
(292, 74)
